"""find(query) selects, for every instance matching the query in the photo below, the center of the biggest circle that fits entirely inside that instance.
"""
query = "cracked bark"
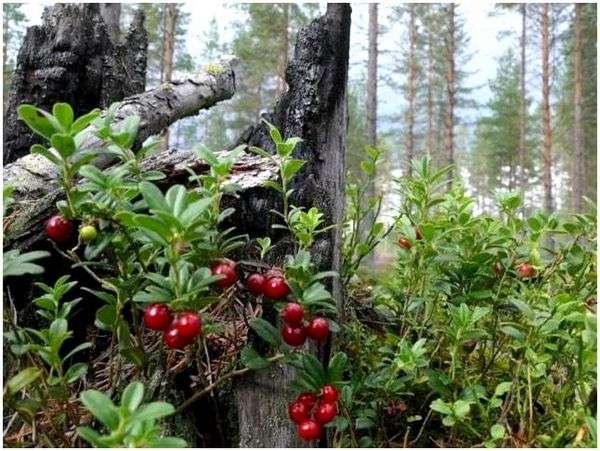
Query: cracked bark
(314, 108)
(70, 58)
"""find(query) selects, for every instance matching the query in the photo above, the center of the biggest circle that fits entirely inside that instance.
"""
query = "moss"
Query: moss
(214, 69)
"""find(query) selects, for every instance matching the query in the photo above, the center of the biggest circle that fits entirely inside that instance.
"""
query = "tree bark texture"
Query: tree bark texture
(34, 179)
(313, 108)
(523, 118)
(111, 14)
(70, 58)
(547, 127)
(578, 137)
(450, 87)
(171, 11)
(430, 89)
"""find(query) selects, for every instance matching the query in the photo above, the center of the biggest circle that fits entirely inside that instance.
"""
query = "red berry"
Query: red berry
(309, 430)
(59, 228)
(227, 270)
(404, 243)
(318, 329)
(329, 393)
(189, 325)
(173, 338)
(276, 288)
(293, 335)
(325, 412)
(292, 314)
(298, 412)
(308, 399)
(525, 270)
(157, 316)
(254, 283)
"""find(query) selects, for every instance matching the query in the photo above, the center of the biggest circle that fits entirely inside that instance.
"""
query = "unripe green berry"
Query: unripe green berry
(88, 233)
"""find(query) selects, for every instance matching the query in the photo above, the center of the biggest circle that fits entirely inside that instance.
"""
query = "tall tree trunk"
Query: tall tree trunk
(523, 118)
(430, 89)
(450, 88)
(285, 45)
(371, 99)
(111, 13)
(171, 11)
(315, 109)
(70, 58)
(547, 128)
(412, 75)
(578, 138)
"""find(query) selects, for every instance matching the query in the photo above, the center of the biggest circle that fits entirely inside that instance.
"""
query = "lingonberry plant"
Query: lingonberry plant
(482, 333)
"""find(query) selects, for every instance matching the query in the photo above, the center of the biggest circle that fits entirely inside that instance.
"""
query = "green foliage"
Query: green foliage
(494, 354)
(130, 424)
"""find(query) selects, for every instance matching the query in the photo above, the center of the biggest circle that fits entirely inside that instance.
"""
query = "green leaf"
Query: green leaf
(75, 372)
(497, 431)
(364, 423)
(253, 359)
(64, 145)
(266, 331)
(106, 317)
(166, 442)
(336, 367)
(90, 436)
(502, 388)
(153, 196)
(46, 153)
(101, 407)
(132, 396)
(291, 167)
(83, 121)
(440, 406)
(22, 379)
(461, 408)
(153, 411)
(63, 114)
(38, 120)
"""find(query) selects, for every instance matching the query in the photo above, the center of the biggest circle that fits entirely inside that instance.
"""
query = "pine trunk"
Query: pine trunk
(578, 137)
(171, 11)
(523, 118)
(450, 88)
(430, 89)
(547, 127)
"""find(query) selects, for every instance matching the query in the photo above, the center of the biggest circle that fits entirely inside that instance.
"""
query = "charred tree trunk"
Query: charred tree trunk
(547, 127)
(578, 137)
(523, 118)
(313, 108)
(111, 13)
(450, 88)
(70, 58)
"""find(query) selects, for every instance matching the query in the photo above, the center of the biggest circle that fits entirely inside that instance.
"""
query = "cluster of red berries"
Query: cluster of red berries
(310, 413)
(272, 284)
(294, 331)
(178, 331)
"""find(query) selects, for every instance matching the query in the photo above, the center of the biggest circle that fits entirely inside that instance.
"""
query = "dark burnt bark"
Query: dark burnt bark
(314, 108)
(34, 179)
(70, 58)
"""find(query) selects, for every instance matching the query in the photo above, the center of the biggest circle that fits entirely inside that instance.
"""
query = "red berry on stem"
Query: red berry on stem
(309, 430)
(525, 270)
(225, 269)
(292, 314)
(189, 325)
(157, 316)
(173, 338)
(59, 228)
(404, 243)
(308, 399)
(298, 412)
(276, 288)
(329, 393)
(254, 283)
(325, 412)
(293, 335)
(318, 329)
